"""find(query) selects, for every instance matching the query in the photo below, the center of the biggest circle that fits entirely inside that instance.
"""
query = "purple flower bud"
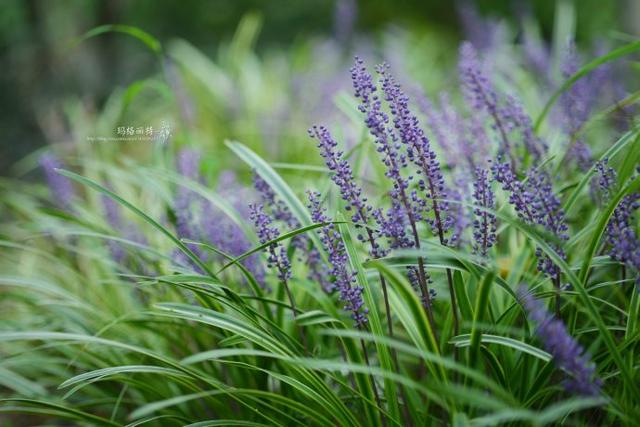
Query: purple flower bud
(567, 353)
(546, 206)
(548, 212)
(606, 178)
(519, 198)
(414, 278)
(60, 186)
(394, 226)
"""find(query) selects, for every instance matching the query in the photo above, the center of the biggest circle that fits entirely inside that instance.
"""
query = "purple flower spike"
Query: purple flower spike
(535, 204)
(60, 186)
(535, 146)
(440, 130)
(567, 353)
(279, 208)
(394, 226)
(576, 105)
(112, 213)
(475, 85)
(548, 212)
(418, 149)
(344, 278)
(277, 254)
(538, 56)
(518, 196)
(344, 19)
(484, 224)
(129, 230)
(413, 274)
(458, 212)
(281, 212)
(186, 203)
(389, 144)
(223, 232)
(507, 114)
(388, 141)
(620, 233)
(351, 192)
(188, 163)
(546, 205)
(462, 139)
(607, 177)
(485, 32)
(482, 97)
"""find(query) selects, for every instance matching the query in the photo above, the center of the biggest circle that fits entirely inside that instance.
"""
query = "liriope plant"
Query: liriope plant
(450, 267)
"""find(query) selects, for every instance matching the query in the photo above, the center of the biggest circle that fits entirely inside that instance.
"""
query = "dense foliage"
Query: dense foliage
(468, 258)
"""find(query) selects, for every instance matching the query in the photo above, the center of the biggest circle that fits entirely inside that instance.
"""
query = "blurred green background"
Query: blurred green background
(44, 77)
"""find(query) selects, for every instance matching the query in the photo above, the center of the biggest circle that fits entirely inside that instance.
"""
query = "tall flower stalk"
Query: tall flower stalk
(344, 279)
(281, 212)
(484, 224)
(186, 204)
(276, 256)
(535, 203)
(480, 93)
(419, 152)
(128, 229)
(620, 235)
(60, 186)
(575, 105)
(362, 211)
(388, 145)
(567, 353)
(506, 112)
(351, 193)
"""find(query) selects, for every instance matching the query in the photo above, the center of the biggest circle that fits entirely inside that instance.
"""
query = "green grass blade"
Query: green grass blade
(281, 188)
(57, 410)
(586, 69)
(94, 185)
(390, 389)
(465, 340)
(482, 300)
(151, 42)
